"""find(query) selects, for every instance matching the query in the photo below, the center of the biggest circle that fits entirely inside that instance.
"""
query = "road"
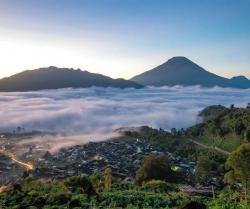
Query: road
(211, 147)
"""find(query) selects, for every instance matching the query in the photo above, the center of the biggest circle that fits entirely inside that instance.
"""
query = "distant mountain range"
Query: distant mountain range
(176, 71)
(182, 71)
(55, 78)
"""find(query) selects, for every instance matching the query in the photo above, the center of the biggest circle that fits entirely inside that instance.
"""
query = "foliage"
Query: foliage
(153, 194)
(205, 168)
(247, 135)
(238, 162)
(158, 186)
(228, 201)
(107, 178)
(97, 181)
(154, 167)
(57, 194)
(81, 182)
(140, 199)
(223, 124)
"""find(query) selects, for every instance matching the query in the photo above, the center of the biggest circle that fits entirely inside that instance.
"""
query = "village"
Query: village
(123, 155)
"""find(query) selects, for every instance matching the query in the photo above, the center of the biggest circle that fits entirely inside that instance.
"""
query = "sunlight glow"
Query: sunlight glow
(18, 54)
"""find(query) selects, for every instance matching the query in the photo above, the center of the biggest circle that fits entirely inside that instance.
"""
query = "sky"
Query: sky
(122, 38)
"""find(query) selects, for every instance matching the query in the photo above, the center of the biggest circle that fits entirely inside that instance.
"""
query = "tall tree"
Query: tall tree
(204, 169)
(239, 164)
(154, 167)
(107, 178)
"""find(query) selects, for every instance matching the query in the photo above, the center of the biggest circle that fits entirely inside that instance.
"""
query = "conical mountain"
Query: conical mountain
(182, 71)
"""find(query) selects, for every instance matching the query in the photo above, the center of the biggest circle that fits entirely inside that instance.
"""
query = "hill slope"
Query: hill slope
(54, 78)
(223, 127)
(182, 71)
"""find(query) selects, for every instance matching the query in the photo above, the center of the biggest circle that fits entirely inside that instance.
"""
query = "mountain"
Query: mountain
(55, 78)
(240, 82)
(182, 71)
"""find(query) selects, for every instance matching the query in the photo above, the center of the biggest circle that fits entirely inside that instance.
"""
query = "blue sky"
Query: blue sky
(121, 38)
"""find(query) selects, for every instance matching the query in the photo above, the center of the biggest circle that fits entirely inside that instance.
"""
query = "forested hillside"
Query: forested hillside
(223, 127)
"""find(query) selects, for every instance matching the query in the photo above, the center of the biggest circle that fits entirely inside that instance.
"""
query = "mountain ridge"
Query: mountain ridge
(56, 78)
(175, 71)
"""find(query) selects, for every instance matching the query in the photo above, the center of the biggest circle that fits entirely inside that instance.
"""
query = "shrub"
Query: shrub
(158, 186)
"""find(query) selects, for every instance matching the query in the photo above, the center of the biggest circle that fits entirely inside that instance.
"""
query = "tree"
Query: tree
(154, 167)
(239, 126)
(173, 131)
(158, 186)
(19, 129)
(238, 163)
(107, 178)
(97, 181)
(247, 135)
(204, 169)
(81, 182)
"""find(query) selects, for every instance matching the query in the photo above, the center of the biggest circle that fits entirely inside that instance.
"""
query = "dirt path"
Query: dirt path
(211, 147)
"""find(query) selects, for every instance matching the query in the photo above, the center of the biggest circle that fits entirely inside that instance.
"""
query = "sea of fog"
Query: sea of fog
(96, 110)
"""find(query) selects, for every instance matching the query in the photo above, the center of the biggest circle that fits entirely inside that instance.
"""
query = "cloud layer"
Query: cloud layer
(92, 110)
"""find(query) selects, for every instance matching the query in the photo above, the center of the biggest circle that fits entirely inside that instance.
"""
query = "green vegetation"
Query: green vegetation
(238, 163)
(205, 169)
(154, 167)
(70, 194)
(34, 194)
(158, 187)
(222, 127)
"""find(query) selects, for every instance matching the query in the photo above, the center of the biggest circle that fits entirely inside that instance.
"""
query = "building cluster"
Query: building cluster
(124, 157)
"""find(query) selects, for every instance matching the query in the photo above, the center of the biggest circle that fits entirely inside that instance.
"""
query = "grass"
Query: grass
(228, 143)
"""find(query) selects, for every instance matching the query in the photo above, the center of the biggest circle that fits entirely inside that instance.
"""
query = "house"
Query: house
(128, 181)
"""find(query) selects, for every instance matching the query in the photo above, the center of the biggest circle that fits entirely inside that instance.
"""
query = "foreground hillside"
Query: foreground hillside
(223, 127)
(55, 78)
(156, 185)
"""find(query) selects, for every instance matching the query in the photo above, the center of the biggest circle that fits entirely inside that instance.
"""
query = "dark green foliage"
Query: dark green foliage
(55, 194)
(239, 164)
(223, 127)
(154, 168)
(97, 180)
(227, 200)
(140, 199)
(206, 169)
(247, 135)
(192, 205)
(212, 112)
(158, 186)
(81, 182)
(36, 194)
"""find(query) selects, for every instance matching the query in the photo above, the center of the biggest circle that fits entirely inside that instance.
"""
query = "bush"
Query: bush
(81, 182)
(138, 199)
(154, 167)
(158, 186)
